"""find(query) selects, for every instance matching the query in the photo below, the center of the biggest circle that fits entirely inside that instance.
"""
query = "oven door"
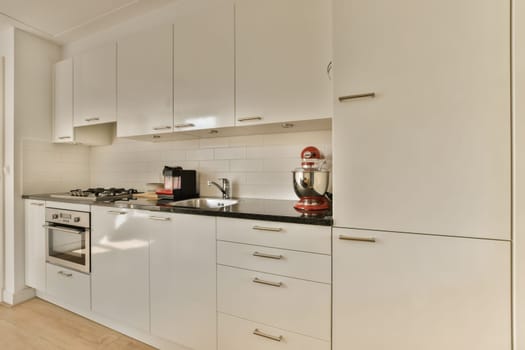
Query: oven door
(68, 247)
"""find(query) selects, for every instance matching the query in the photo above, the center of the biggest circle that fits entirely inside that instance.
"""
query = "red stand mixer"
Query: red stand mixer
(311, 181)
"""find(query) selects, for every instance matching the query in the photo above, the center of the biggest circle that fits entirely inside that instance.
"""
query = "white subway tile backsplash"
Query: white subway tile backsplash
(214, 166)
(200, 154)
(230, 153)
(259, 166)
(246, 165)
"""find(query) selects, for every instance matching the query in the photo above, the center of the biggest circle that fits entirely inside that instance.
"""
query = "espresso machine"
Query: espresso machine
(311, 181)
(179, 184)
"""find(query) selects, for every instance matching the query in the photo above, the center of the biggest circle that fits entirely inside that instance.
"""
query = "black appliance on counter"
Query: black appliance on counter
(179, 184)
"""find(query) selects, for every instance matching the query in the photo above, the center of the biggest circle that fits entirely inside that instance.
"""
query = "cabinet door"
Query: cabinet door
(431, 152)
(120, 266)
(63, 102)
(95, 81)
(203, 66)
(145, 77)
(35, 244)
(416, 292)
(283, 49)
(183, 279)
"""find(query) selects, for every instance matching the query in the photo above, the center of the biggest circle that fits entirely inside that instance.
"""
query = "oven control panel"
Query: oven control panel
(67, 217)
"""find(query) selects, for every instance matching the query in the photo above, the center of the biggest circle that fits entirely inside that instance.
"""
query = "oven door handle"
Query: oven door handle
(58, 228)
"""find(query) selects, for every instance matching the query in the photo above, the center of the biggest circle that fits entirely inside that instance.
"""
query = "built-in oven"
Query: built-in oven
(68, 239)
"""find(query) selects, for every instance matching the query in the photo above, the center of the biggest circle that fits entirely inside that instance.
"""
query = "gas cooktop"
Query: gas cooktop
(98, 194)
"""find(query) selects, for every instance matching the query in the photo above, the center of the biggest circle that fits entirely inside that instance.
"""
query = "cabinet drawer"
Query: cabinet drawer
(239, 334)
(69, 287)
(308, 266)
(308, 238)
(291, 304)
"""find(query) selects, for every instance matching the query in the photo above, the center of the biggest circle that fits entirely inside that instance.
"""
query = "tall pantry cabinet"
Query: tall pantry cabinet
(422, 172)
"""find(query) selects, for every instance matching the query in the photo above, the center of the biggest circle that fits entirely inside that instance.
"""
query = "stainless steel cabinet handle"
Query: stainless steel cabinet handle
(256, 331)
(65, 274)
(268, 256)
(64, 137)
(357, 239)
(269, 283)
(189, 125)
(356, 96)
(263, 228)
(159, 218)
(92, 119)
(249, 119)
(38, 204)
(58, 228)
(117, 212)
(162, 128)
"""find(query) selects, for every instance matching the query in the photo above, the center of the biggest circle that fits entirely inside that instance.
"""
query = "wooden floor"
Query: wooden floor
(39, 325)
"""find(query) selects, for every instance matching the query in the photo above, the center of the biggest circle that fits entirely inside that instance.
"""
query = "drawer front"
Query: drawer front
(308, 238)
(68, 287)
(308, 266)
(287, 303)
(239, 334)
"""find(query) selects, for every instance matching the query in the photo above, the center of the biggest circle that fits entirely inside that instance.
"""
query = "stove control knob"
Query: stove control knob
(54, 216)
(77, 219)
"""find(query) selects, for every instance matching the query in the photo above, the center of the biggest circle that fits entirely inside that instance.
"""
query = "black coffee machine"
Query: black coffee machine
(179, 184)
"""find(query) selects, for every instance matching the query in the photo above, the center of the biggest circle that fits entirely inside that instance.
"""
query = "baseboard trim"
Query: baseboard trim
(18, 297)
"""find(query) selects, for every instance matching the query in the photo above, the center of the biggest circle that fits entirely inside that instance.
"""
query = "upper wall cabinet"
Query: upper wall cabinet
(95, 90)
(145, 77)
(430, 153)
(283, 54)
(63, 102)
(203, 65)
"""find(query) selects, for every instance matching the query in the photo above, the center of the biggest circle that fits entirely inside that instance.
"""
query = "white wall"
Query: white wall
(259, 166)
(28, 123)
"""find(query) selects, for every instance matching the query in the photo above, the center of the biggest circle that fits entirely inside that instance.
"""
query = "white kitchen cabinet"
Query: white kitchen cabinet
(306, 238)
(283, 51)
(144, 82)
(412, 292)
(239, 334)
(183, 279)
(95, 86)
(120, 265)
(431, 152)
(68, 288)
(291, 304)
(203, 65)
(35, 244)
(63, 102)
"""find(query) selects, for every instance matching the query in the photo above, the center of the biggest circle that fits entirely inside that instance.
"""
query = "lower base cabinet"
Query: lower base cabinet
(183, 280)
(413, 292)
(68, 287)
(240, 334)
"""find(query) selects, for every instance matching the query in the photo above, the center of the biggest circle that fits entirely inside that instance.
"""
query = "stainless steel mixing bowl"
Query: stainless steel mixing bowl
(310, 183)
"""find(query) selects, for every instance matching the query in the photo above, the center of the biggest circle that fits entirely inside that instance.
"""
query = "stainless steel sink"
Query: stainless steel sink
(205, 203)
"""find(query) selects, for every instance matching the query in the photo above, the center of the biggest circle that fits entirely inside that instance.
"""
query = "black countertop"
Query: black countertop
(247, 208)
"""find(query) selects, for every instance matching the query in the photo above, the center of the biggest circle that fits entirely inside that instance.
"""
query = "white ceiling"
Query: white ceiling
(67, 20)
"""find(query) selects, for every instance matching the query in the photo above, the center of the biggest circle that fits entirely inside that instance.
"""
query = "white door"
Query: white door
(183, 279)
(63, 102)
(120, 266)
(413, 292)
(95, 86)
(144, 82)
(431, 152)
(203, 65)
(283, 50)
(35, 244)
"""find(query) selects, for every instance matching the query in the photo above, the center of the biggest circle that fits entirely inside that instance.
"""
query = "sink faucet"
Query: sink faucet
(225, 188)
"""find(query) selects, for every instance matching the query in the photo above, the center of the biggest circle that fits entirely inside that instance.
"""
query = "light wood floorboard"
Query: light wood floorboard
(39, 325)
